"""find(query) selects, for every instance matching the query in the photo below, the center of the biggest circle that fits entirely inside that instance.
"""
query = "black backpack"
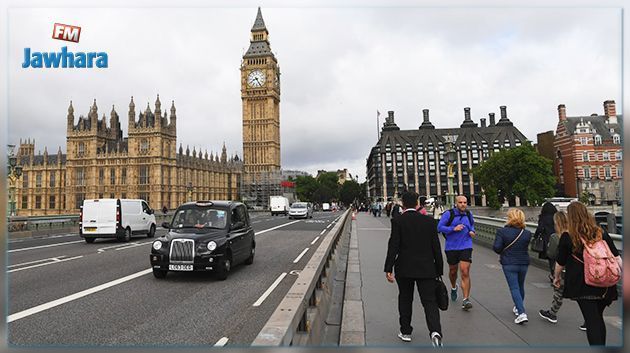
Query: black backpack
(451, 217)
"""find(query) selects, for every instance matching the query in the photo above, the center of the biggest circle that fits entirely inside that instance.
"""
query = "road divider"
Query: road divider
(270, 289)
(75, 296)
(301, 316)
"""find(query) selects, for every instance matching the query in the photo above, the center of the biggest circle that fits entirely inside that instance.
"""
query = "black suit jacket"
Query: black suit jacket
(414, 248)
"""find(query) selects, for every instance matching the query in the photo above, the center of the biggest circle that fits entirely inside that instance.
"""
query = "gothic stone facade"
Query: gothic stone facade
(589, 154)
(101, 163)
(416, 159)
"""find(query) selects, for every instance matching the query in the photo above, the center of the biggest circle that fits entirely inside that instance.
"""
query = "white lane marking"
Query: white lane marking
(75, 296)
(100, 250)
(55, 261)
(221, 342)
(314, 240)
(328, 226)
(49, 237)
(280, 226)
(323, 231)
(46, 246)
(134, 245)
(270, 289)
(36, 261)
(300, 256)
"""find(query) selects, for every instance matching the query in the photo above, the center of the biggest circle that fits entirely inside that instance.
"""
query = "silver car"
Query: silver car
(301, 210)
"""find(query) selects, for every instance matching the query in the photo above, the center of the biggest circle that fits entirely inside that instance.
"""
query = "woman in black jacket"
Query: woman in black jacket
(591, 300)
(545, 229)
(512, 242)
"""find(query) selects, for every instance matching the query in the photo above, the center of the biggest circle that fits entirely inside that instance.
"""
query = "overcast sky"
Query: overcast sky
(339, 66)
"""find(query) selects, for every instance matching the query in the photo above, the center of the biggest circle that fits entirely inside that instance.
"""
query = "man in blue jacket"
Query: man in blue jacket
(457, 225)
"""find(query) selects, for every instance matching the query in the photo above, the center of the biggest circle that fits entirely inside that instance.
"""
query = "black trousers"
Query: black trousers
(426, 288)
(593, 312)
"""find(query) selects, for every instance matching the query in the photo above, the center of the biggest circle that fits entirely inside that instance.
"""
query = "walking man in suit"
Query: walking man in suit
(414, 253)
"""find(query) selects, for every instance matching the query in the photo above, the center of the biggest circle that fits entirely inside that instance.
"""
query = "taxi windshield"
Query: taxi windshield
(199, 217)
(298, 205)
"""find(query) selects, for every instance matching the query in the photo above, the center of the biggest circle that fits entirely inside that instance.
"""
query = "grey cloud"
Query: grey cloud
(338, 67)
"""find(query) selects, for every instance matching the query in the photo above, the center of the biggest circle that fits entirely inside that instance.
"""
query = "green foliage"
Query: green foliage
(326, 188)
(519, 171)
(305, 187)
(350, 191)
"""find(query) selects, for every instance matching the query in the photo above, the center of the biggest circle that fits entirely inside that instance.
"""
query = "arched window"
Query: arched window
(598, 139)
(616, 139)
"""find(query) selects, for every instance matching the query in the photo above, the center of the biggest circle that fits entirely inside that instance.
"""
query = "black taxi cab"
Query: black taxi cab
(205, 236)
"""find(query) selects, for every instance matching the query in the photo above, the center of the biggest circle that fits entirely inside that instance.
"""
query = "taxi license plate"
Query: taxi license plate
(180, 267)
(90, 229)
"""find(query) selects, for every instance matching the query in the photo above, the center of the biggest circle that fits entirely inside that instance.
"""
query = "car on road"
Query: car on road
(301, 210)
(210, 236)
(325, 207)
(115, 218)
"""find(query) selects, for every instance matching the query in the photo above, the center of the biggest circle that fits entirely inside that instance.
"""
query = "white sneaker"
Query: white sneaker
(521, 319)
(405, 338)
(436, 339)
(515, 311)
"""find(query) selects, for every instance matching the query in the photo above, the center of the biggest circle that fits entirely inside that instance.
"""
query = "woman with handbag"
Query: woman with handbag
(545, 228)
(592, 300)
(512, 242)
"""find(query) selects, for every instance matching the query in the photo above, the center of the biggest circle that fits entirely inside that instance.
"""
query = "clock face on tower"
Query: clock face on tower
(256, 78)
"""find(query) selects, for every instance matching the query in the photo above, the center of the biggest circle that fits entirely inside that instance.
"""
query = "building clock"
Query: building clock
(256, 78)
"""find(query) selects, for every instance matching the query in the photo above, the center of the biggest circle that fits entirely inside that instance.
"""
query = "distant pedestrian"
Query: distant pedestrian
(396, 209)
(164, 210)
(545, 229)
(379, 209)
(512, 243)
(437, 208)
(422, 205)
(415, 254)
(457, 225)
(583, 229)
(388, 208)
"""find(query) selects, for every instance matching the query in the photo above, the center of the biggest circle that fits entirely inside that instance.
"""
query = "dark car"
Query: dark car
(205, 236)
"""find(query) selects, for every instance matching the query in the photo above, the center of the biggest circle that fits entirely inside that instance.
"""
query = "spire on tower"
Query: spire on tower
(259, 24)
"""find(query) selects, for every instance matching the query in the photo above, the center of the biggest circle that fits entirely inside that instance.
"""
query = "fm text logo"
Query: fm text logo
(64, 58)
(66, 32)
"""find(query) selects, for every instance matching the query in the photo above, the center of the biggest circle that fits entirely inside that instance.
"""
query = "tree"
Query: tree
(350, 191)
(518, 171)
(305, 187)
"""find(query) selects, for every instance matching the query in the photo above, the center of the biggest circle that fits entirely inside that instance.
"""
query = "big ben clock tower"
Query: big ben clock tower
(260, 93)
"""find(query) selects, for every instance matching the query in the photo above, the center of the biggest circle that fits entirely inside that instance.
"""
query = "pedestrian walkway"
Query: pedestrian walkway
(489, 323)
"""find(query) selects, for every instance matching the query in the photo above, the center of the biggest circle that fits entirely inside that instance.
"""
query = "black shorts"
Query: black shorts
(453, 257)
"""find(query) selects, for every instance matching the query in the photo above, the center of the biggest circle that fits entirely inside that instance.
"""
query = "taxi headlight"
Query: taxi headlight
(157, 245)
(211, 245)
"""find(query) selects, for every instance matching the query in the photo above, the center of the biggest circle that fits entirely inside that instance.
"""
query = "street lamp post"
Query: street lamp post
(189, 188)
(14, 172)
(451, 158)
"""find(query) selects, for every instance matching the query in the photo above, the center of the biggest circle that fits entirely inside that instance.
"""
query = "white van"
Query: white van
(278, 205)
(325, 207)
(115, 218)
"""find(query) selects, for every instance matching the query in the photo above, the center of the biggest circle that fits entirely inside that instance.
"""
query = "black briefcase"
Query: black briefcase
(441, 294)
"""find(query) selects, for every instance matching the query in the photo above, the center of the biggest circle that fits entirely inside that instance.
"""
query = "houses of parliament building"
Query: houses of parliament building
(100, 163)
